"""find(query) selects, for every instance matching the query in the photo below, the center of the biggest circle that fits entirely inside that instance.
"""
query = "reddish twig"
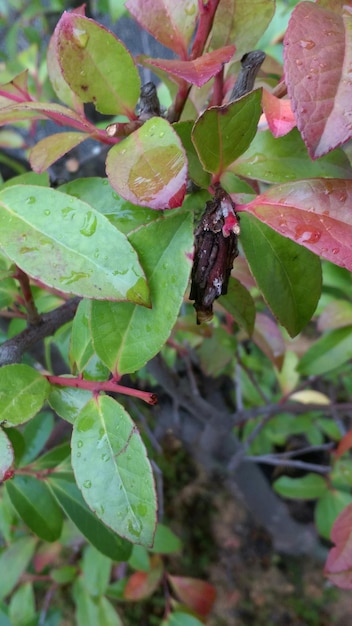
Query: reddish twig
(96, 386)
(33, 317)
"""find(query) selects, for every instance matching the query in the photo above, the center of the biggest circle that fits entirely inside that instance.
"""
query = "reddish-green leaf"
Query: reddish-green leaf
(268, 337)
(149, 167)
(195, 169)
(337, 314)
(42, 110)
(278, 114)
(61, 88)
(318, 57)
(6, 455)
(338, 567)
(23, 391)
(96, 65)
(314, 213)
(196, 594)
(241, 22)
(222, 134)
(36, 505)
(328, 508)
(200, 70)
(141, 585)
(172, 23)
(344, 445)
(288, 275)
(14, 91)
(51, 148)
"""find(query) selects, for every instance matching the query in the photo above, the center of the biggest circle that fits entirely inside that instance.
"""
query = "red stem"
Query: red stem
(33, 316)
(207, 12)
(96, 386)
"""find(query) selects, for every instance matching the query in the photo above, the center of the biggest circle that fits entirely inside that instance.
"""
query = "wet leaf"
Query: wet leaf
(112, 470)
(288, 276)
(84, 253)
(149, 167)
(23, 391)
(6, 455)
(107, 74)
(314, 213)
(198, 71)
(318, 57)
(241, 22)
(222, 134)
(171, 23)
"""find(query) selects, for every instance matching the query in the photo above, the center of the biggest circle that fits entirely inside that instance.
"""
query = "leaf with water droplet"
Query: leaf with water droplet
(111, 469)
(84, 254)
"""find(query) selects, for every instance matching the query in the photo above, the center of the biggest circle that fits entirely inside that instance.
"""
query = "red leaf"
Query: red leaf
(196, 594)
(344, 445)
(172, 23)
(143, 584)
(318, 59)
(268, 337)
(338, 567)
(199, 71)
(278, 114)
(315, 213)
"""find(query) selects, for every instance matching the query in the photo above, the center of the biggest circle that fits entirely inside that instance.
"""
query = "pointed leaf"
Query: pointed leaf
(318, 57)
(308, 487)
(79, 245)
(171, 23)
(14, 91)
(23, 391)
(13, 562)
(200, 70)
(195, 169)
(107, 75)
(269, 339)
(196, 594)
(288, 276)
(112, 470)
(286, 158)
(59, 85)
(36, 506)
(141, 585)
(6, 455)
(327, 353)
(35, 434)
(125, 337)
(241, 22)
(222, 134)
(278, 114)
(149, 167)
(82, 355)
(43, 110)
(314, 213)
(52, 148)
(68, 402)
(338, 567)
(328, 508)
(69, 497)
(96, 571)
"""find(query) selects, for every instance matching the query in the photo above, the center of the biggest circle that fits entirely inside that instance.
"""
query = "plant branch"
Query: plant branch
(33, 317)
(207, 12)
(269, 459)
(95, 386)
(12, 350)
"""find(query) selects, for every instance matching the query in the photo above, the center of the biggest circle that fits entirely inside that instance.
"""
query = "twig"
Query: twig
(12, 350)
(95, 386)
(273, 460)
(33, 317)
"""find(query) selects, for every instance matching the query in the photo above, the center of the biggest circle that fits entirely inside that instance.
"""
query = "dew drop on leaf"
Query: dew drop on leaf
(80, 37)
(31, 200)
(307, 234)
(87, 484)
(89, 226)
(47, 212)
(79, 443)
(307, 43)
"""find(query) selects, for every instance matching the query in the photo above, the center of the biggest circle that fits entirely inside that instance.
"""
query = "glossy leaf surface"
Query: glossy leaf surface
(288, 275)
(112, 470)
(149, 167)
(69, 497)
(52, 148)
(241, 22)
(314, 213)
(36, 506)
(126, 336)
(84, 253)
(278, 113)
(222, 134)
(318, 57)
(6, 455)
(107, 74)
(23, 391)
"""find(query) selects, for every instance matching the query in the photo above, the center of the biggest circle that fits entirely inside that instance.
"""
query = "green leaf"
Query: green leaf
(82, 354)
(36, 434)
(125, 336)
(222, 134)
(327, 353)
(240, 304)
(139, 559)
(165, 541)
(286, 158)
(36, 506)
(112, 470)
(308, 487)
(53, 147)
(6, 455)
(96, 65)
(52, 458)
(96, 570)
(242, 23)
(13, 562)
(8, 292)
(124, 215)
(28, 178)
(65, 490)
(92, 611)
(181, 619)
(327, 510)
(22, 605)
(195, 169)
(288, 275)
(23, 391)
(149, 167)
(68, 402)
(78, 244)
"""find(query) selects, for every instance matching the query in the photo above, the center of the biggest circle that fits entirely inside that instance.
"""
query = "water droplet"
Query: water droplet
(123, 152)
(299, 62)
(190, 8)
(31, 200)
(80, 37)
(308, 44)
(161, 134)
(73, 277)
(68, 211)
(79, 443)
(105, 457)
(87, 484)
(307, 234)
(134, 527)
(89, 225)
(335, 250)
(78, 455)
(47, 212)
(342, 196)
